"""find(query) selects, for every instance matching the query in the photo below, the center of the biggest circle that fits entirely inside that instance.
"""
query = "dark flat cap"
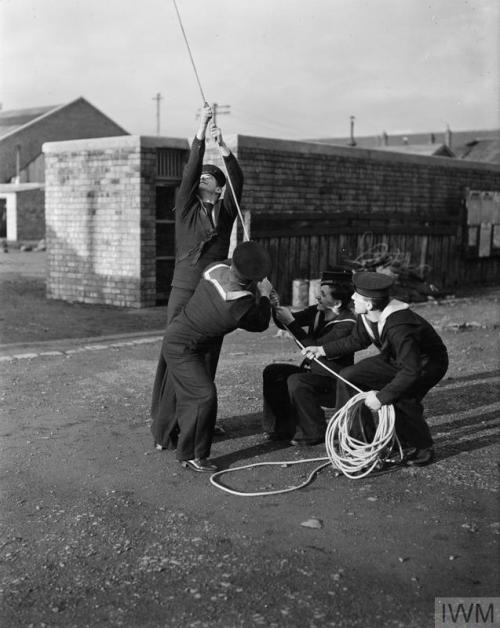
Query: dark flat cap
(337, 274)
(216, 173)
(339, 280)
(372, 285)
(252, 261)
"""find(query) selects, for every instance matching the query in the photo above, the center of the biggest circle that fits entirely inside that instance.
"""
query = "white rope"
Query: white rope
(189, 51)
(284, 463)
(246, 237)
(354, 457)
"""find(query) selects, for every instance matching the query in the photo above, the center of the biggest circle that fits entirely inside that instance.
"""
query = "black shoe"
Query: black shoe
(276, 436)
(201, 465)
(421, 457)
(306, 442)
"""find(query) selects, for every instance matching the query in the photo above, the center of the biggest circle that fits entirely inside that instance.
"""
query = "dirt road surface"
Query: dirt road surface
(99, 529)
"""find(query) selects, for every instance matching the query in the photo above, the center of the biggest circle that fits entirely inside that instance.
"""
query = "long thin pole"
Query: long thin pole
(189, 51)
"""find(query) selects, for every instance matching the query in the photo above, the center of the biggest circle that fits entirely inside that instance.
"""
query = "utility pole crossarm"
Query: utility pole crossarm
(217, 110)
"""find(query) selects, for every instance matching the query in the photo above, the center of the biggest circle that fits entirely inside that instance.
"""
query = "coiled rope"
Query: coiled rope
(357, 458)
(353, 457)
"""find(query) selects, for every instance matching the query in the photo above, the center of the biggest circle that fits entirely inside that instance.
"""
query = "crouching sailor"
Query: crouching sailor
(411, 361)
(294, 395)
(231, 294)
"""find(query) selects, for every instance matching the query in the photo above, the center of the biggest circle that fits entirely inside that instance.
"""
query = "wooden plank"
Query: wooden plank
(322, 254)
(314, 265)
(303, 258)
(333, 251)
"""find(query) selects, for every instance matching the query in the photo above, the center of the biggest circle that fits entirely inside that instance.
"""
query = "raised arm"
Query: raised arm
(192, 171)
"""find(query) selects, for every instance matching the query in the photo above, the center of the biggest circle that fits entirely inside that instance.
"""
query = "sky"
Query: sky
(291, 69)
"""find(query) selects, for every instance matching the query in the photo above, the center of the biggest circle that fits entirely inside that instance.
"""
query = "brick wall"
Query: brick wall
(282, 176)
(100, 208)
(308, 203)
(313, 205)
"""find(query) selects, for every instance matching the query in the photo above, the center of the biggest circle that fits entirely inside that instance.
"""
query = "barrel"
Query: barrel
(314, 287)
(300, 292)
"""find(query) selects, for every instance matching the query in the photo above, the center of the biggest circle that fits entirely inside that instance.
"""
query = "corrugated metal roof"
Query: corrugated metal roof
(429, 150)
(5, 130)
(459, 139)
(13, 119)
(487, 151)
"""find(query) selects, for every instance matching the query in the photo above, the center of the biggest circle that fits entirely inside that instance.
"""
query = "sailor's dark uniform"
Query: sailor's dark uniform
(294, 395)
(202, 236)
(412, 360)
(218, 306)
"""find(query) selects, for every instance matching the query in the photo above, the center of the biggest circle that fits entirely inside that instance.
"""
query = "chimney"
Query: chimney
(405, 140)
(447, 136)
(433, 138)
(385, 138)
(353, 141)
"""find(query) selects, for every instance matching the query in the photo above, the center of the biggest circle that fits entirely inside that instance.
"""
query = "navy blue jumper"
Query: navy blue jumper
(218, 306)
(294, 395)
(412, 360)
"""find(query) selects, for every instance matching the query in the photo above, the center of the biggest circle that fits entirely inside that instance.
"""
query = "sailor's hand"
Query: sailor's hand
(216, 134)
(313, 352)
(274, 298)
(206, 114)
(284, 315)
(265, 287)
(372, 402)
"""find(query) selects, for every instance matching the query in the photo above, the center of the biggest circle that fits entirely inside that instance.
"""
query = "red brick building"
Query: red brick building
(22, 133)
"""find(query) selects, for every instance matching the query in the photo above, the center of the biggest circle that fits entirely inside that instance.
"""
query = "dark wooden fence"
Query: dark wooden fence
(302, 245)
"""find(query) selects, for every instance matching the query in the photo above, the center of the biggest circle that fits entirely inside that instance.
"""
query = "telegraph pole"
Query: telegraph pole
(353, 141)
(219, 110)
(158, 99)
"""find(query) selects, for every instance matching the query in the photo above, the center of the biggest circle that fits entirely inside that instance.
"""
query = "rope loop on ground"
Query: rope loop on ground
(354, 457)
(284, 463)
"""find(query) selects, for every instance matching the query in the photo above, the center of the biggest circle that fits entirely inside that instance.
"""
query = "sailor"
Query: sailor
(203, 224)
(231, 294)
(412, 359)
(294, 395)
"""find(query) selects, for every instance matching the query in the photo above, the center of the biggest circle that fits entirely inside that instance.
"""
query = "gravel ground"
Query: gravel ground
(99, 529)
